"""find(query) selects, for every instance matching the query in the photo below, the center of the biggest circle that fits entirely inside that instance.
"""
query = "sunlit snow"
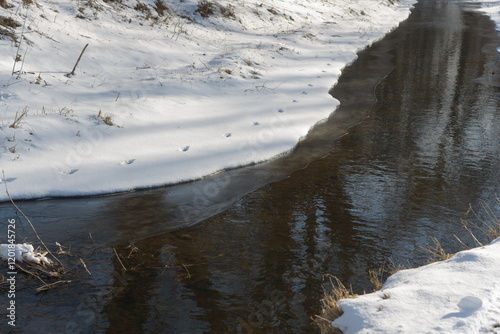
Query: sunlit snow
(186, 96)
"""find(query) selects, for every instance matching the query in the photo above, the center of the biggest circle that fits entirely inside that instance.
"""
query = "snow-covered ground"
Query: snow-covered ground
(459, 295)
(185, 96)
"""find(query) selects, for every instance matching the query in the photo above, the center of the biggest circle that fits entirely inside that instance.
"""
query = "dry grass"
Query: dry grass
(437, 252)
(9, 22)
(143, 8)
(228, 12)
(486, 222)
(107, 119)
(18, 118)
(10, 25)
(205, 8)
(208, 8)
(377, 278)
(161, 8)
(331, 309)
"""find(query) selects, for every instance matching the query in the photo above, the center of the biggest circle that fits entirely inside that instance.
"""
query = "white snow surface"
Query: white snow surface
(459, 295)
(22, 253)
(187, 96)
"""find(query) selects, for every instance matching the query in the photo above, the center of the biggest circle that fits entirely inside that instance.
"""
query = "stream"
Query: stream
(415, 141)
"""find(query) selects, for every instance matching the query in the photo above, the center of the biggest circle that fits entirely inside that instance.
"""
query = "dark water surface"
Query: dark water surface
(246, 250)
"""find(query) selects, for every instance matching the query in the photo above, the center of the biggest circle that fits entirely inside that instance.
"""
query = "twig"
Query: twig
(188, 273)
(85, 266)
(32, 227)
(29, 273)
(81, 54)
(203, 64)
(43, 270)
(19, 45)
(118, 256)
(51, 285)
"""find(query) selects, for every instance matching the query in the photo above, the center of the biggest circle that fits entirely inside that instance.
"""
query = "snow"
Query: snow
(187, 96)
(459, 295)
(22, 253)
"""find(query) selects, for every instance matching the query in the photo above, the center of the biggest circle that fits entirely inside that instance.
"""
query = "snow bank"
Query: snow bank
(459, 295)
(186, 96)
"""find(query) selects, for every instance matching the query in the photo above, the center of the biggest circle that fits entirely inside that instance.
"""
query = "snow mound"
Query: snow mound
(22, 253)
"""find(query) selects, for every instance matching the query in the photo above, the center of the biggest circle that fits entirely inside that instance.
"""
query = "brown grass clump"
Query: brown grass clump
(9, 22)
(205, 8)
(331, 309)
(107, 119)
(228, 12)
(208, 8)
(141, 7)
(10, 25)
(376, 277)
(161, 8)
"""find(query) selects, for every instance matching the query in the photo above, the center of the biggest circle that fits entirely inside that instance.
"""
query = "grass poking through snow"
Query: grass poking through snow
(331, 309)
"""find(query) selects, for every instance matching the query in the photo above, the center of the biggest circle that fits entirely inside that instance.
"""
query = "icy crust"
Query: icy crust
(165, 95)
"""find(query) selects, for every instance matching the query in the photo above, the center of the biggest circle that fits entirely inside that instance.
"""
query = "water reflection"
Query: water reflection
(405, 174)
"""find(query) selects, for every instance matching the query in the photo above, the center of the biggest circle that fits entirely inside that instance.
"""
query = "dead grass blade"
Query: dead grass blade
(119, 260)
(436, 251)
(51, 286)
(17, 119)
(376, 277)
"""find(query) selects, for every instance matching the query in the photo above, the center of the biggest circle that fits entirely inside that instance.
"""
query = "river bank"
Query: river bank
(167, 93)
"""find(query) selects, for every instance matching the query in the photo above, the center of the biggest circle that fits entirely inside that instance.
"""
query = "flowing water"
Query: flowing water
(415, 141)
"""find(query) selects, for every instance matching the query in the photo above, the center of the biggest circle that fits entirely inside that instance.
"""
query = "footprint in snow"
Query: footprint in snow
(310, 85)
(227, 135)
(467, 306)
(69, 172)
(184, 149)
(304, 93)
(127, 162)
(255, 123)
(281, 110)
(9, 179)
